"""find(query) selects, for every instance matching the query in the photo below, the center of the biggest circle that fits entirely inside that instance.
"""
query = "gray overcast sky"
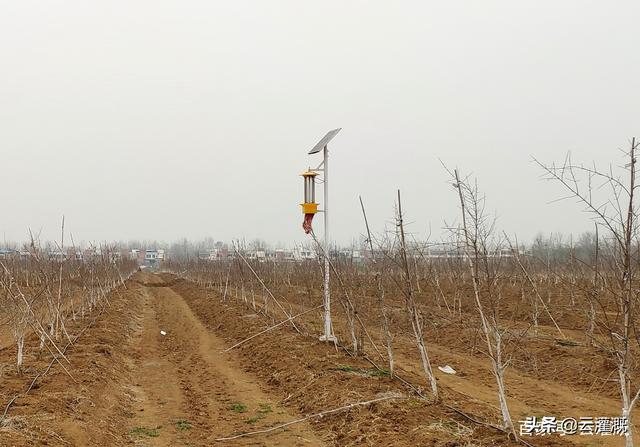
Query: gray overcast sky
(162, 119)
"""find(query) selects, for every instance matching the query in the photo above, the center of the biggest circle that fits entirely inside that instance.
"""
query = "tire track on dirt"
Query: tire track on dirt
(188, 394)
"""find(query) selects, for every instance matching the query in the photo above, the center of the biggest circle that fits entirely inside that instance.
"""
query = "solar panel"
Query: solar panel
(325, 140)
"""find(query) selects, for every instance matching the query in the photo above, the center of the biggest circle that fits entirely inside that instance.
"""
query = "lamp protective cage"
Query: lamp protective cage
(309, 206)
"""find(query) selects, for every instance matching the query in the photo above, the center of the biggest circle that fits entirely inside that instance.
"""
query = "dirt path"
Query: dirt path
(134, 386)
(187, 393)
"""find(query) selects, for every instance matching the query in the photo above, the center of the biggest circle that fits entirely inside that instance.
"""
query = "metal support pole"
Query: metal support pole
(328, 333)
(322, 145)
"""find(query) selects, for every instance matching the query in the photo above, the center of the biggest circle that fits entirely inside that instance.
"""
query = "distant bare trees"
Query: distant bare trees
(40, 293)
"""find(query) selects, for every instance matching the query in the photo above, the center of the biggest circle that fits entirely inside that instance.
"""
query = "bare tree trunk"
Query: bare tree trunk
(20, 357)
(381, 293)
(493, 336)
(412, 308)
(592, 310)
(627, 296)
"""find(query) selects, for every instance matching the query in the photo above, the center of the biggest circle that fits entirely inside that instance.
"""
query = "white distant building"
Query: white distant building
(153, 257)
(257, 255)
(134, 254)
(304, 254)
(208, 255)
(353, 255)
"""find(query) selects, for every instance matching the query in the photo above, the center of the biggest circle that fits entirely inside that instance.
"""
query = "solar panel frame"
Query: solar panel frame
(325, 140)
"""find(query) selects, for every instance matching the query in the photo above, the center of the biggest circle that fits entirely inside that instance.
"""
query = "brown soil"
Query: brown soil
(133, 386)
(546, 379)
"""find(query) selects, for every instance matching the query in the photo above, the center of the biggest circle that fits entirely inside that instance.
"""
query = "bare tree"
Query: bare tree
(412, 307)
(381, 293)
(617, 213)
(478, 230)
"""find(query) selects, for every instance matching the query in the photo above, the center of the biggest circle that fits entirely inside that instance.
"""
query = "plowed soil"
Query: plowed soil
(152, 369)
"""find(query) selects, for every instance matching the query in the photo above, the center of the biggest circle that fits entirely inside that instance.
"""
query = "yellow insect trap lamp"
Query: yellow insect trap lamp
(309, 207)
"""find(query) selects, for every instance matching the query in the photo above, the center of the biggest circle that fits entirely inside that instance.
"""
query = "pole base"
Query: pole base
(331, 338)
